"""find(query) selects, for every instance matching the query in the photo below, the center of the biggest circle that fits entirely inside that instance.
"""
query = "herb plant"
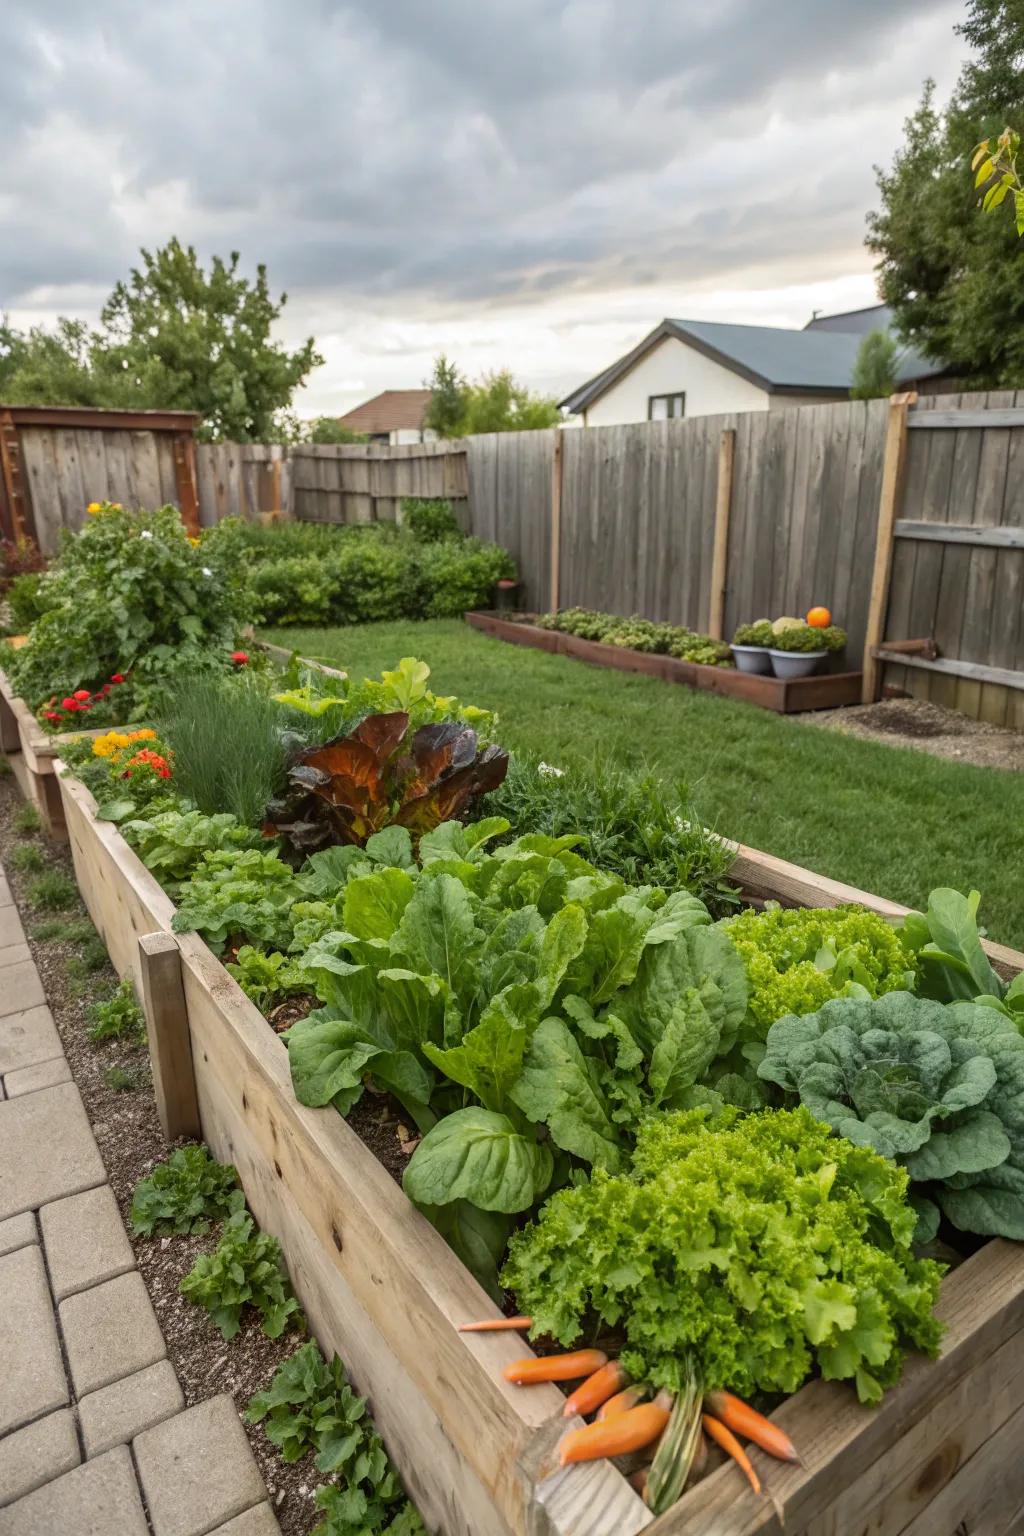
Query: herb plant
(763, 1245)
(938, 1087)
(227, 734)
(184, 1195)
(246, 1269)
(804, 637)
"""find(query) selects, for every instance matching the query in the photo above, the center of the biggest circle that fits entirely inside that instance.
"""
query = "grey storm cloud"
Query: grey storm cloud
(456, 152)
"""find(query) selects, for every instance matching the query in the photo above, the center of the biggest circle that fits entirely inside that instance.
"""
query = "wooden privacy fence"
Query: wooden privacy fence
(365, 482)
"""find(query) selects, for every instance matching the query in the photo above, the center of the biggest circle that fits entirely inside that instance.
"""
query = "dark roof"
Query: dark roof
(391, 411)
(776, 360)
(855, 322)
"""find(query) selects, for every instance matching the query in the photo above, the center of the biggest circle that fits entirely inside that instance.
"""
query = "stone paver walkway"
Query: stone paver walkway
(95, 1438)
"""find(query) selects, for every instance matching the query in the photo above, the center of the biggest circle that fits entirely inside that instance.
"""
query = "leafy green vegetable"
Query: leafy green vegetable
(938, 1087)
(245, 1269)
(184, 1195)
(239, 891)
(118, 1016)
(477, 1155)
(264, 977)
(763, 1245)
(172, 843)
(797, 958)
(946, 941)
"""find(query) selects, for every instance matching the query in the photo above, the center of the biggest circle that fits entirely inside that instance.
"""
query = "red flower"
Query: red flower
(69, 704)
(80, 694)
(117, 677)
(239, 658)
(52, 714)
(148, 759)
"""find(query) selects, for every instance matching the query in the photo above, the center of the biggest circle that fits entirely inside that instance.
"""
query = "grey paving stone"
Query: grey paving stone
(197, 1470)
(85, 1241)
(32, 1379)
(11, 931)
(45, 1074)
(260, 1521)
(17, 1231)
(20, 988)
(37, 1454)
(6, 899)
(116, 1414)
(109, 1332)
(27, 1033)
(47, 1149)
(99, 1498)
(13, 954)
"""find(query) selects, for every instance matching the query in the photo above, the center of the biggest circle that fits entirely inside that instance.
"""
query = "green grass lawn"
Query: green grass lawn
(887, 819)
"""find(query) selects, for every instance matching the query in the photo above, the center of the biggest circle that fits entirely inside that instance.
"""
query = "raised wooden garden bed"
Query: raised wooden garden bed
(828, 690)
(937, 1458)
(32, 753)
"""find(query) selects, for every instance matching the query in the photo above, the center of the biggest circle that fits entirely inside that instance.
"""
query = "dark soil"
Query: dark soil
(130, 1140)
(378, 1122)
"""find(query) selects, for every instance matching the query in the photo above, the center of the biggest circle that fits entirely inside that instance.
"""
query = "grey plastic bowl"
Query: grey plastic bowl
(751, 658)
(790, 664)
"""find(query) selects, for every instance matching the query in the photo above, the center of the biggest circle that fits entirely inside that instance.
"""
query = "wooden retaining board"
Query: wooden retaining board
(827, 690)
(939, 1456)
(32, 754)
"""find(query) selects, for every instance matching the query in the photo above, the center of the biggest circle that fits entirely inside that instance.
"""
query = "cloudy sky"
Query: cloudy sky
(533, 183)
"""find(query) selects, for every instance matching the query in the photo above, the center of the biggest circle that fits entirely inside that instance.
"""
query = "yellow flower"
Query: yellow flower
(194, 542)
(94, 507)
(115, 506)
(108, 745)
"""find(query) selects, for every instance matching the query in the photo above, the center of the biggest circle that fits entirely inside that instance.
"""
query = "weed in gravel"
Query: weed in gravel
(245, 1269)
(65, 930)
(27, 821)
(118, 1017)
(91, 957)
(26, 858)
(5, 767)
(53, 891)
(120, 1080)
(184, 1194)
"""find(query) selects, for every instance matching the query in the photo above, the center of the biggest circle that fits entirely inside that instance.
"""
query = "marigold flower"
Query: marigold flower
(148, 759)
(94, 507)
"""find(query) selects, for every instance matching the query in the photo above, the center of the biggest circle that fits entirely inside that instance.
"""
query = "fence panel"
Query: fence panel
(365, 483)
(509, 488)
(67, 467)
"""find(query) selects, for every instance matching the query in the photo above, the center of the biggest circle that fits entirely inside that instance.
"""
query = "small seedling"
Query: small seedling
(184, 1195)
(28, 821)
(5, 767)
(245, 1269)
(118, 1017)
(26, 858)
(66, 930)
(120, 1080)
(91, 956)
(52, 892)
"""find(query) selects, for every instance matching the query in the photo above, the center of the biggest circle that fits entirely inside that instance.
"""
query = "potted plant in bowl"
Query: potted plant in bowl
(750, 646)
(797, 648)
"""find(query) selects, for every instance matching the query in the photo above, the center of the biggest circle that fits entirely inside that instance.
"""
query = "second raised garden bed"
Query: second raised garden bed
(828, 690)
(380, 1287)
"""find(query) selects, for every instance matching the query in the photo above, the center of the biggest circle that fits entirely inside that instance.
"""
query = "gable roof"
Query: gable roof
(390, 411)
(777, 360)
(876, 317)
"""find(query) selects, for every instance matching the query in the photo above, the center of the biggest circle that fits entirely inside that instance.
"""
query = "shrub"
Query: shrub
(184, 1194)
(26, 598)
(26, 858)
(27, 821)
(430, 519)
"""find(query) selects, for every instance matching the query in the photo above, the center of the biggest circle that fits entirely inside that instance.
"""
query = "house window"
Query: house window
(665, 407)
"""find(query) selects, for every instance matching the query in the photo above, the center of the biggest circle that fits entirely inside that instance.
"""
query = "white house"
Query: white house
(703, 368)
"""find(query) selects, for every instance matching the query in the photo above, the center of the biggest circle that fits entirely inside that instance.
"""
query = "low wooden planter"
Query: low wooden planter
(830, 690)
(940, 1456)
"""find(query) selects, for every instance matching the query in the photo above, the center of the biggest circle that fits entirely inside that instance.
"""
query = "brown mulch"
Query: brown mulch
(128, 1133)
(919, 724)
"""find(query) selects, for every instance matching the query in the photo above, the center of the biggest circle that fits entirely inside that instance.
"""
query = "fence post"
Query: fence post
(888, 508)
(185, 480)
(170, 1047)
(720, 553)
(556, 518)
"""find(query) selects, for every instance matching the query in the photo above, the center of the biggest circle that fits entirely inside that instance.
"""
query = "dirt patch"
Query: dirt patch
(124, 1122)
(925, 726)
(379, 1123)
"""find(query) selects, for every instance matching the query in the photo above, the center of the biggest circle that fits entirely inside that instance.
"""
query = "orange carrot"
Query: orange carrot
(727, 1440)
(629, 1431)
(597, 1389)
(743, 1420)
(497, 1325)
(620, 1403)
(581, 1362)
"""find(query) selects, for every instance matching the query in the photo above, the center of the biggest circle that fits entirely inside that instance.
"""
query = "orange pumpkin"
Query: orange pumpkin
(819, 618)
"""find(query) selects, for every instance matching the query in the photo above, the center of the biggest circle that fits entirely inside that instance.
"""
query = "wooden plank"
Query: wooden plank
(185, 481)
(892, 478)
(170, 1049)
(76, 417)
(958, 420)
(987, 537)
(975, 671)
(986, 1498)
(556, 521)
(720, 550)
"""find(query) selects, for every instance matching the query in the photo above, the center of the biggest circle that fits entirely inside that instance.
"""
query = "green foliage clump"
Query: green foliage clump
(628, 824)
(246, 1269)
(430, 519)
(952, 965)
(26, 858)
(876, 367)
(637, 634)
(27, 821)
(184, 1195)
(172, 843)
(266, 977)
(496, 403)
(804, 637)
(239, 892)
(350, 1511)
(27, 600)
(938, 1087)
(226, 735)
(129, 593)
(52, 892)
(758, 633)
(765, 1245)
(119, 1080)
(118, 1017)
(796, 958)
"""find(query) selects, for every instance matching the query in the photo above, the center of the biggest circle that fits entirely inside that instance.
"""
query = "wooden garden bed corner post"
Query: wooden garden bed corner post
(556, 519)
(720, 552)
(170, 1046)
(888, 511)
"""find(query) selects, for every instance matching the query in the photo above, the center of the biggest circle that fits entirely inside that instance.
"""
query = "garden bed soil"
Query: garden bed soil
(381, 1287)
(130, 1140)
(929, 728)
(826, 690)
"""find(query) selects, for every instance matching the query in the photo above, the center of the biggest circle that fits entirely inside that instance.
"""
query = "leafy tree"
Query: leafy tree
(328, 429)
(446, 412)
(997, 174)
(172, 337)
(875, 371)
(955, 281)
